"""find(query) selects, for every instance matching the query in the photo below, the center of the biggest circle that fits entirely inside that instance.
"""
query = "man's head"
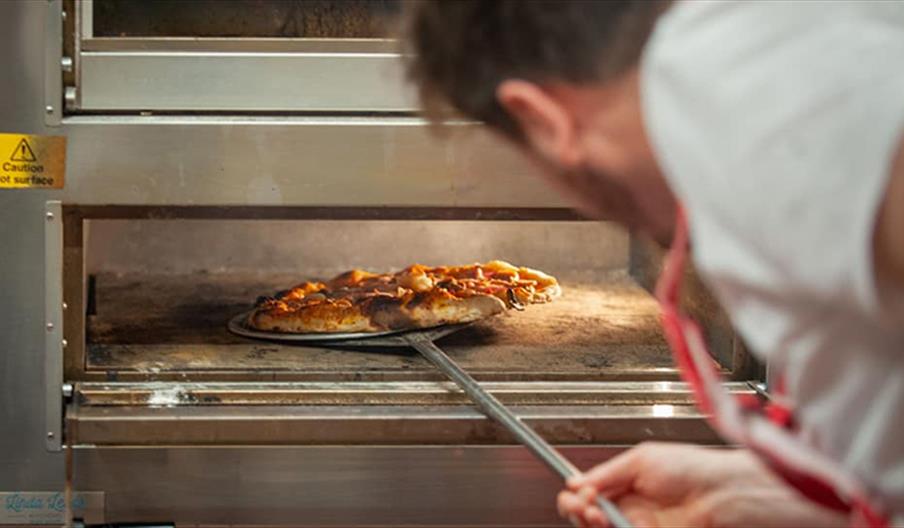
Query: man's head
(557, 77)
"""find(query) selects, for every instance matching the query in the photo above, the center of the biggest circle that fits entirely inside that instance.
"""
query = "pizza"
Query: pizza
(415, 297)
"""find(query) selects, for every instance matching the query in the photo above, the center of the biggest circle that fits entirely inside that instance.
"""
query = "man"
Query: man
(777, 127)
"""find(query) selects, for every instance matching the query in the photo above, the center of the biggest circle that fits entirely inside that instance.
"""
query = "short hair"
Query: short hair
(459, 51)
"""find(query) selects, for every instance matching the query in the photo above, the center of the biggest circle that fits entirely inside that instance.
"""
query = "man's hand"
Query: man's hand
(667, 485)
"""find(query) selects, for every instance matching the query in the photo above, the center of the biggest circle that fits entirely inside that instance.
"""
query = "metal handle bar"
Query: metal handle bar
(494, 409)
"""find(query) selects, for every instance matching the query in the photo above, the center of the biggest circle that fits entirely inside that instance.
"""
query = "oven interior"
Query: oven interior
(160, 292)
(156, 291)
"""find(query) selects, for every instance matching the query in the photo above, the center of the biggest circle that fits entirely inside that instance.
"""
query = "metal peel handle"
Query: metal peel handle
(494, 409)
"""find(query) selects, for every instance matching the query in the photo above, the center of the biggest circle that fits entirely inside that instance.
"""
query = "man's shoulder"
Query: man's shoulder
(775, 122)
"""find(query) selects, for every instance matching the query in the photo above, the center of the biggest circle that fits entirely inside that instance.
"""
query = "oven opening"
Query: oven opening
(159, 294)
(150, 360)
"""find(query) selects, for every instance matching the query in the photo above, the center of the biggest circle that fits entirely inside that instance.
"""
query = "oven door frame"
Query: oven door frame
(222, 75)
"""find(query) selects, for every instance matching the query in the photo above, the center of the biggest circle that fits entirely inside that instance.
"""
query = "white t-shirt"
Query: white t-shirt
(776, 123)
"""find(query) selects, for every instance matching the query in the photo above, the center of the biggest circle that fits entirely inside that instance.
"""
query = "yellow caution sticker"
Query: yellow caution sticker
(32, 161)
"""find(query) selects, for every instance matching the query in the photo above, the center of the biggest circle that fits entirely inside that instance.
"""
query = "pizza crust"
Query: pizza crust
(453, 311)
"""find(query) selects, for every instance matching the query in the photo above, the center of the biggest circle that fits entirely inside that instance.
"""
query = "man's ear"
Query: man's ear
(547, 126)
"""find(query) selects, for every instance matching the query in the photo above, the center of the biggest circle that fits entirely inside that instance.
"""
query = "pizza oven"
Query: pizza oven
(222, 151)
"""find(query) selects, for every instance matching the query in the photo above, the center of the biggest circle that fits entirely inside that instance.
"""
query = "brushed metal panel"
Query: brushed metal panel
(53, 323)
(53, 72)
(243, 82)
(328, 486)
(239, 45)
(86, 17)
(337, 161)
(165, 424)
(24, 463)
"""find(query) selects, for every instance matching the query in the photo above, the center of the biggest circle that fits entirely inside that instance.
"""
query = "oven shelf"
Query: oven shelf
(211, 394)
(361, 413)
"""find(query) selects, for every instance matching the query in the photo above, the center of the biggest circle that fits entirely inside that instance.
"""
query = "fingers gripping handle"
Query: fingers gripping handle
(494, 409)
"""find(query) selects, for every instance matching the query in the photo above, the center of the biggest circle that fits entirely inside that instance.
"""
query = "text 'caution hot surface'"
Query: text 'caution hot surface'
(28, 161)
